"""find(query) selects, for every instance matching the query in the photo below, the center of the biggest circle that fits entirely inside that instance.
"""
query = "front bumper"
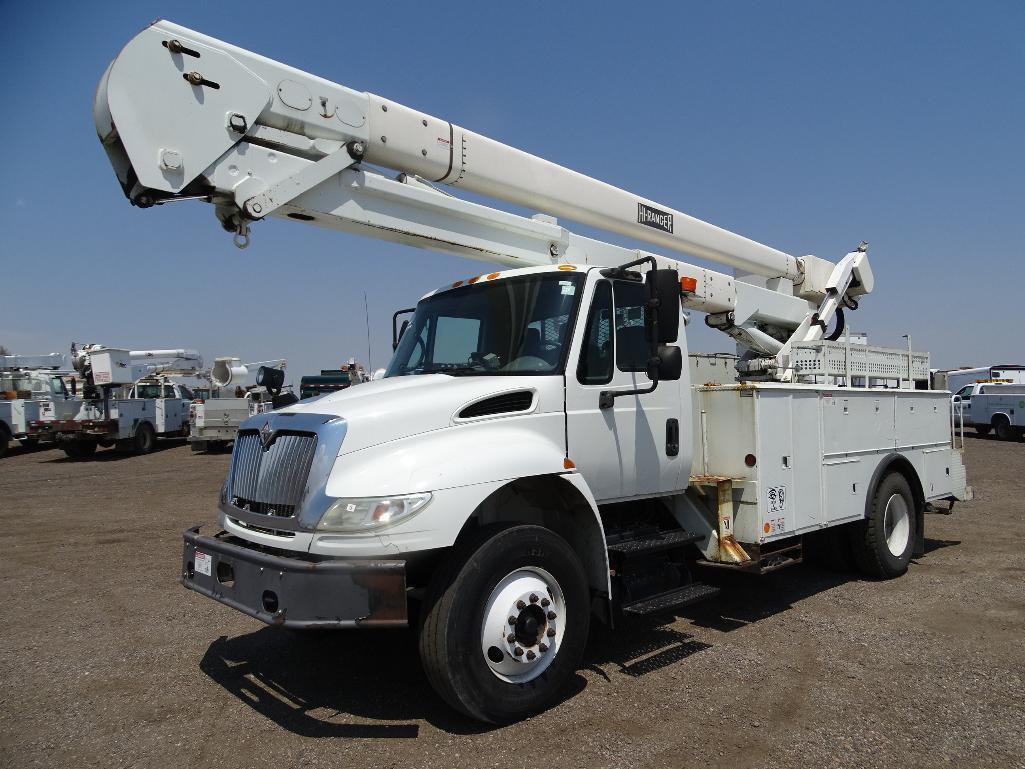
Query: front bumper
(292, 592)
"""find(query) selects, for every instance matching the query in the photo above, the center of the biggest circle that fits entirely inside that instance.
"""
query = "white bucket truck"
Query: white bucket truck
(537, 454)
(33, 388)
(130, 398)
(213, 422)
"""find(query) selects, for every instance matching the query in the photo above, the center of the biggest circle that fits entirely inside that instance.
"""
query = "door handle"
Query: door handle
(672, 437)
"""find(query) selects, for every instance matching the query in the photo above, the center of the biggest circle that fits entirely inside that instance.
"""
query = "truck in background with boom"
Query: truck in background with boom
(214, 421)
(130, 398)
(33, 388)
(537, 455)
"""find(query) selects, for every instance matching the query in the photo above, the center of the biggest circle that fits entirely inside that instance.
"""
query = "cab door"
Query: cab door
(641, 445)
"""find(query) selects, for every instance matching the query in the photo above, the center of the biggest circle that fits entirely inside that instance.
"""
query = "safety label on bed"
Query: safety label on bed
(776, 498)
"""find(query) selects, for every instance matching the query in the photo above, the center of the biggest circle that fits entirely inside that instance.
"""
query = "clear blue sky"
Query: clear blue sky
(806, 125)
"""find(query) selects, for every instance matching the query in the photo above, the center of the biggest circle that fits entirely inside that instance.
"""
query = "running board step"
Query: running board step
(666, 540)
(671, 599)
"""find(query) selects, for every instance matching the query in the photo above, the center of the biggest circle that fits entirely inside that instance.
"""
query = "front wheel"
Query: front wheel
(883, 542)
(505, 623)
(982, 429)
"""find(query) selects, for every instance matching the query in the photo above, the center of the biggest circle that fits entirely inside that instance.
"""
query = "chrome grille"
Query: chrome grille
(271, 481)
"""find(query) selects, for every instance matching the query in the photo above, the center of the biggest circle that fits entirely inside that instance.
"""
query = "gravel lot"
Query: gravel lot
(106, 661)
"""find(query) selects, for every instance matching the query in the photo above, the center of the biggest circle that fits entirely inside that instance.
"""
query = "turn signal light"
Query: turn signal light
(688, 285)
(568, 464)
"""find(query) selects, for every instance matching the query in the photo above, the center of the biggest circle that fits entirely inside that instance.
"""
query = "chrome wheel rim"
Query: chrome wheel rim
(523, 625)
(897, 524)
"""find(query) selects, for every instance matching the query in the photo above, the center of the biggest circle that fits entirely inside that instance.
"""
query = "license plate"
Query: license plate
(203, 563)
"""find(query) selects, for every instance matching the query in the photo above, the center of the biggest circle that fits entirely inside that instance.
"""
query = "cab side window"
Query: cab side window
(595, 366)
(631, 345)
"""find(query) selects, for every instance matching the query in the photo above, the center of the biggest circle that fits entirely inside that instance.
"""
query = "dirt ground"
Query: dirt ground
(106, 661)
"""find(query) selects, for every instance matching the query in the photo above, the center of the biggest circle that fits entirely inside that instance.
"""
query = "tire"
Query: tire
(1003, 428)
(145, 438)
(5, 439)
(79, 449)
(467, 599)
(883, 542)
(982, 429)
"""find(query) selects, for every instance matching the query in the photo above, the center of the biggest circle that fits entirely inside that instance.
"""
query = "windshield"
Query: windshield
(514, 326)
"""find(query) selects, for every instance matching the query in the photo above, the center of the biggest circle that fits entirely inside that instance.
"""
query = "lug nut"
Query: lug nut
(511, 637)
(518, 651)
(533, 598)
(542, 648)
(520, 605)
(512, 620)
(551, 632)
(531, 656)
(545, 602)
(551, 615)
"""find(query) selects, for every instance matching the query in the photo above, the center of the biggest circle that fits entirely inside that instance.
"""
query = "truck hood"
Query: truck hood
(399, 407)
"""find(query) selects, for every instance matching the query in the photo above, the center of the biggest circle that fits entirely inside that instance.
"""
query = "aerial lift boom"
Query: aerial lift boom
(185, 116)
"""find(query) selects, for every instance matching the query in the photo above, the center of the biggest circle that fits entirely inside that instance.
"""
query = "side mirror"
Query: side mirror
(670, 365)
(402, 330)
(956, 399)
(664, 286)
(396, 332)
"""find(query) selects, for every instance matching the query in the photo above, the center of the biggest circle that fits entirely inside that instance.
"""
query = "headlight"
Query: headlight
(368, 513)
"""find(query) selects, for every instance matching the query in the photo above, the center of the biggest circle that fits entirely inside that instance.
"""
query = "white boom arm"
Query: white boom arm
(183, 116)
(180, 360)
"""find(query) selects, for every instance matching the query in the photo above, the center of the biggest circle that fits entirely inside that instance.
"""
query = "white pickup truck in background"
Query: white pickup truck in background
(993, 406)
(129, 400)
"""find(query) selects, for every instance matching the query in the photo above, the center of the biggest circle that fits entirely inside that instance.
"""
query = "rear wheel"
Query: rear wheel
(79, 449)
(505, 623)
(145, 438)
(1002, 425)
(883, 542)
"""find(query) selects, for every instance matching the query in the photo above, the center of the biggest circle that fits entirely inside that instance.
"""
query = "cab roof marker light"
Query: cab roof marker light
(688, 285)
